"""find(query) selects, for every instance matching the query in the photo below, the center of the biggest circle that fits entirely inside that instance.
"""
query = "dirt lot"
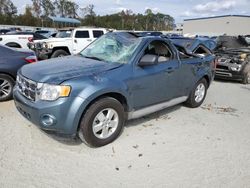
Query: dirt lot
(179, 147)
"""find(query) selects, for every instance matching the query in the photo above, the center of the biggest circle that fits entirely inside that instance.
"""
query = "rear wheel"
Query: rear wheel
(102, 123)
(59, 53)
(6, 87)
(198, 94)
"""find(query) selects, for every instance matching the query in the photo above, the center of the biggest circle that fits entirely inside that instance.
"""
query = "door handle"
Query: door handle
(169, 70)
(75, 41)
(89, 40)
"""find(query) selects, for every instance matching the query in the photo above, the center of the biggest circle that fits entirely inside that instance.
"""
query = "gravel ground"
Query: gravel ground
(178, 147)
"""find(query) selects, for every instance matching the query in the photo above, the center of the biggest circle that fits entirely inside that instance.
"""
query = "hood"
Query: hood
(55, 71)
(231, 42)
(53, 40)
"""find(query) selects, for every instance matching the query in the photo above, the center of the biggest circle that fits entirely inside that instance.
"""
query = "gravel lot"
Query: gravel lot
(178, 147)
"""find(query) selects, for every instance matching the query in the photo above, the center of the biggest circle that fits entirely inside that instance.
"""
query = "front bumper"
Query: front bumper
(225, 73)
(43, 54)
(65, 112)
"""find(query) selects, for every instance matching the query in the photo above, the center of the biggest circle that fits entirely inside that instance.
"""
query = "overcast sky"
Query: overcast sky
(179, 9)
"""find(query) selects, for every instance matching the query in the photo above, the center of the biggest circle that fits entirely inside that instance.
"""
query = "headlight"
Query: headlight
(49, 92)
(44, 45)
(235, 67)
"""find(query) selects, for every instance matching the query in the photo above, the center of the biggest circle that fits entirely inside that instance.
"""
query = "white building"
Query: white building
(218, 25)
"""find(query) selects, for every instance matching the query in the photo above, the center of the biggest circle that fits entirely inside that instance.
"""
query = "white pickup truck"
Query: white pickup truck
(16, 41)
(67, 42)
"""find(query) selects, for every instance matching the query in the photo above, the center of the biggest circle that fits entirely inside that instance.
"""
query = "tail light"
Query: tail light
(31, 59)
(30, 39)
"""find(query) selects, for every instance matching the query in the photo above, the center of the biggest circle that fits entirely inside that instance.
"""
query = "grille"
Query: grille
(38, 46)
(27, 87)
(222, 67)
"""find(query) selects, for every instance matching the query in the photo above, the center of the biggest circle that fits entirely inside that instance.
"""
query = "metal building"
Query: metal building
(218, 25)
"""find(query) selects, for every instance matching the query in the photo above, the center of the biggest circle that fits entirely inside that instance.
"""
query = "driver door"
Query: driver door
(156, 83)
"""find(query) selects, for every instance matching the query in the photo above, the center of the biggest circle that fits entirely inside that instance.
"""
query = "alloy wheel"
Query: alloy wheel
(199, 93)
(105, 123)
(5, 88)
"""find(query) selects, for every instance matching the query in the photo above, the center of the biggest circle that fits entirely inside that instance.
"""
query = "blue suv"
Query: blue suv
(119, 76)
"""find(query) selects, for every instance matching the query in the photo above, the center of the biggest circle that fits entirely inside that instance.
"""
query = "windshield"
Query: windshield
(64, 34)
(113, 47)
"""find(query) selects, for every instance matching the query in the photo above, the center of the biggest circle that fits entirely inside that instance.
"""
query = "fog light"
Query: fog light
(48, 120)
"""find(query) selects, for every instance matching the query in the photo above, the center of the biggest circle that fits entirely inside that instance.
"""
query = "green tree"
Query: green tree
(27, 18)
(89, 15)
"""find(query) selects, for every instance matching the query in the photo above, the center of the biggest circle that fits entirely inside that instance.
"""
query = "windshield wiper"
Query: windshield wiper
(92, 57)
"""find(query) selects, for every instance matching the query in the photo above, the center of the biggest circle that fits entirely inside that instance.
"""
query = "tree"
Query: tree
(89, 15)
(71, 9)
(27, 18)
(8, 11)
(36, 7)
(61, 5)
(48, 8)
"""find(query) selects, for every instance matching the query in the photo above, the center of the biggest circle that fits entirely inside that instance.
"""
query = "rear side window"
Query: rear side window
(97, 33)
(82, 34)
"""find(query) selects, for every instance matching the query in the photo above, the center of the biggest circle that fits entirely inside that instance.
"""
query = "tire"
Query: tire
(13, 45)
(246, 74)
(6, 87)
(59, 53)
(198, 94)
(97, 114)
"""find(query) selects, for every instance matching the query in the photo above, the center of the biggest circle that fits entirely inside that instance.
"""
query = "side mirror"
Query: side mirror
(148, 60)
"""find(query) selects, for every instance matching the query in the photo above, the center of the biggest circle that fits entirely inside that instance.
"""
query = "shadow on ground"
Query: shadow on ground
(72, 141)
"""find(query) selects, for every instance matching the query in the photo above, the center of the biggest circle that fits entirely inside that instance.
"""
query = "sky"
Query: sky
(179, 9)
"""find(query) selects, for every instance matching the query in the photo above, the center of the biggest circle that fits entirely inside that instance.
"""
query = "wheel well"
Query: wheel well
(9, 75)
(207, 79)
(61, 48)
(116, 96)
(13, 45)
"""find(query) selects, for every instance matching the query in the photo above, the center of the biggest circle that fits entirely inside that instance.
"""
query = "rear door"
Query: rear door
(193, 67)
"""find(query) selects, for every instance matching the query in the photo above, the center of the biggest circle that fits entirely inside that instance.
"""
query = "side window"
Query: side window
(160, 49)
(97, 33)
(82, 34)
(202, 51)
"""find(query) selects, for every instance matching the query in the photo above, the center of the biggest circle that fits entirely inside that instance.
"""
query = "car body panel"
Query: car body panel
(13, 59)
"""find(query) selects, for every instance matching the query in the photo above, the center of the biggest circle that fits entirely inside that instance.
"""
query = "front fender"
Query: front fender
(92, 92)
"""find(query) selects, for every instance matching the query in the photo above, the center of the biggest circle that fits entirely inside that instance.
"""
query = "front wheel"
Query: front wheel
(102, 123)
(59, 53)
(198, 94)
